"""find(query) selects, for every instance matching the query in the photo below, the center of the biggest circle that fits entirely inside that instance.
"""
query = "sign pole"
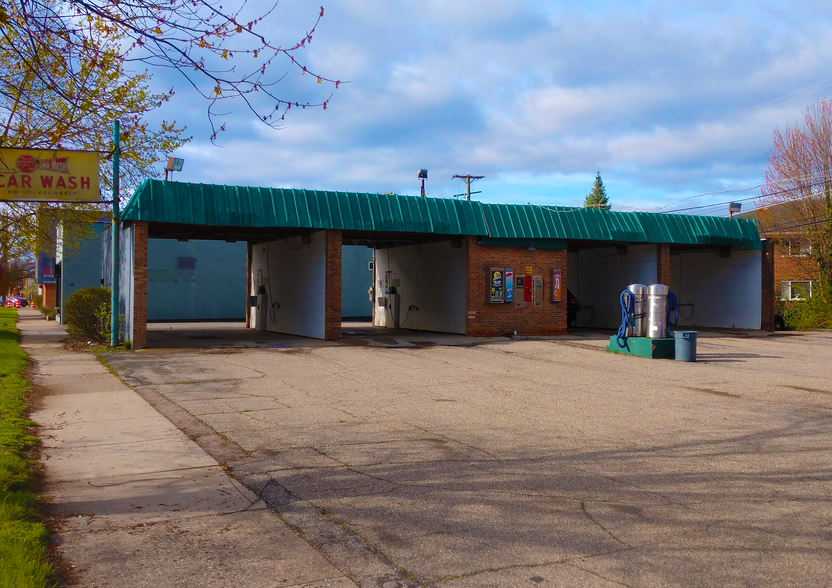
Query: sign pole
(115, 241)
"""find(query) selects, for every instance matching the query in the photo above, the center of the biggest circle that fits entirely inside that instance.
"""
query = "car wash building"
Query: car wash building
(448, 265)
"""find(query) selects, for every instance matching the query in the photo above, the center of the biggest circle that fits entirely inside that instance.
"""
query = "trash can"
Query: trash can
(685, 345)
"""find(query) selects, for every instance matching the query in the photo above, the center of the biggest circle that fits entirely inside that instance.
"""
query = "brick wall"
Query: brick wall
(663, 264)
(139, 285)
(50, 295)
(485, 319)
(332, 298)
(792, 267)
(769, 287)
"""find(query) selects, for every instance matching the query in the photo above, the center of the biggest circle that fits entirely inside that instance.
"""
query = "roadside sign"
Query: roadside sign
(38, 174)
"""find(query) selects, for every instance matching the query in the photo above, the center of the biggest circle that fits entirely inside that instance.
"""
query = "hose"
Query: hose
(672, 303)
(626, 310)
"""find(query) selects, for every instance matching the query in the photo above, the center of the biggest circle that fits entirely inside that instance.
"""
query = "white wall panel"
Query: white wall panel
(725, 291)
(596, 278)
(432, 278)
(294, 276)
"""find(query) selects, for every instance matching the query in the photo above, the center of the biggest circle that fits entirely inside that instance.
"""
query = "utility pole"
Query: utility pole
(114, 310)
(468, 178)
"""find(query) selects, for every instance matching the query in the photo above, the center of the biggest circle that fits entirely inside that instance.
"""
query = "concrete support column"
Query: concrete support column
(139, 285)
(248, 284)
(332, 311)
(663, 264)
(769, 292)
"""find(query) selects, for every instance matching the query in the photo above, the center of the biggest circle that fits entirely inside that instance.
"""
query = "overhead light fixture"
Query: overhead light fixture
(423, 175)
(174, 164)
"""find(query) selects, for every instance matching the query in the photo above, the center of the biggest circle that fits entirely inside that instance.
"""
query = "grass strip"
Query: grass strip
(24, 540)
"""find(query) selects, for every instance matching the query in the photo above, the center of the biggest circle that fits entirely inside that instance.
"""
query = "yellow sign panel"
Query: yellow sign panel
(529, 270)
(34, 174)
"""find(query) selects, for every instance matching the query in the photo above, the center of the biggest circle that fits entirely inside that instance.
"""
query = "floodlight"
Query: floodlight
(175, 164)
(423, 174)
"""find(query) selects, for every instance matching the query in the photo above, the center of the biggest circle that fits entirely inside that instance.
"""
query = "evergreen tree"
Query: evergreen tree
(597, 198)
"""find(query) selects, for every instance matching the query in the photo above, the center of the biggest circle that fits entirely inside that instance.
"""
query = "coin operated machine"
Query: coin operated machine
(260, 302)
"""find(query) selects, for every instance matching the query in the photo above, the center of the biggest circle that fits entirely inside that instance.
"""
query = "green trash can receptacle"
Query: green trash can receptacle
(685, 345)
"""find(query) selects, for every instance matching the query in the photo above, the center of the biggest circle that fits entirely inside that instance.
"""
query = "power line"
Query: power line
(800, 225)
(809, 185)
(806, 177)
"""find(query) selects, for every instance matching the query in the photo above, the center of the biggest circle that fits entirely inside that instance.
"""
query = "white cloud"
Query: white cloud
(536, 95)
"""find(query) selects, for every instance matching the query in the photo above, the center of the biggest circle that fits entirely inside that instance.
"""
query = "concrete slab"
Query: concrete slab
(145, 499)
(80, 434)
(136, 502)
(138, 457)
(242, 550)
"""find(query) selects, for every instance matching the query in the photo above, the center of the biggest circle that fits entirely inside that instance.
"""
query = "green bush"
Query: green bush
(810, 313)
(87, 315)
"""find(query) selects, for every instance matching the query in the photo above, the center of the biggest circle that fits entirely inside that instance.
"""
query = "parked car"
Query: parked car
(571, 308)
(13, 302)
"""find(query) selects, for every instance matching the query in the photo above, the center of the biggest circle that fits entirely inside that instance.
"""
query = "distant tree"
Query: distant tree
(597, 198)
(797, 195)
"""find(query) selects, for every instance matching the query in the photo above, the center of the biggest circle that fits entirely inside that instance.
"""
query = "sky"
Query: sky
(668, 100)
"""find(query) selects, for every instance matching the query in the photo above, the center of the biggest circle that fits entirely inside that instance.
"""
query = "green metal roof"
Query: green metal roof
(238, 206)
(557, 222)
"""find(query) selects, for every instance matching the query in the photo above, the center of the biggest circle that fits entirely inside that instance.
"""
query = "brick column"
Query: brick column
(663, 264)
(50, 295)
(139, 285)
(769, 292)
(332, 311)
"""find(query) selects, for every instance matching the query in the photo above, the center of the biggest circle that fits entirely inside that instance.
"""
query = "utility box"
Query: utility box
(538, 290)
(520, 296)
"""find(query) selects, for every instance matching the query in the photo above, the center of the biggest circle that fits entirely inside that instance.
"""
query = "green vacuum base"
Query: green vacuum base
(644, 347)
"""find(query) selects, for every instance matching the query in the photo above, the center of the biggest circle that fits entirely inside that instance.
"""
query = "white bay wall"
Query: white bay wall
(294, 275)
(432, 278)
(725, 291)
(596, 278)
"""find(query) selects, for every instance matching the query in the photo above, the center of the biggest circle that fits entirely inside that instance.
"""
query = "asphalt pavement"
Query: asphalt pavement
(527, 462)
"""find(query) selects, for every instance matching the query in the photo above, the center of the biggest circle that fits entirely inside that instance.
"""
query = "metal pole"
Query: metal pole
(468, 186)
(423, 188)
(115, 241)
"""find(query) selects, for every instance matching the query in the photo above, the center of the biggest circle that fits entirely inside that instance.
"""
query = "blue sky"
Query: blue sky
(668, 99)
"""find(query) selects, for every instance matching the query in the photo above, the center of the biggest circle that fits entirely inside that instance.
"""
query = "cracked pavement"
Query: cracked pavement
(526, 462)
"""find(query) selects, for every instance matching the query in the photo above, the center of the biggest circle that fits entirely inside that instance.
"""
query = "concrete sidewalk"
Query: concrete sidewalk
(139, 503)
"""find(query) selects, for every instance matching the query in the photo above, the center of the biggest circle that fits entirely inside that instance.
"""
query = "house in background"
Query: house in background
(795, 272)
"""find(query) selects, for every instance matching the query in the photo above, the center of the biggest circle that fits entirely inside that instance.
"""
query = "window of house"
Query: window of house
(799, 247)
(795, 290)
